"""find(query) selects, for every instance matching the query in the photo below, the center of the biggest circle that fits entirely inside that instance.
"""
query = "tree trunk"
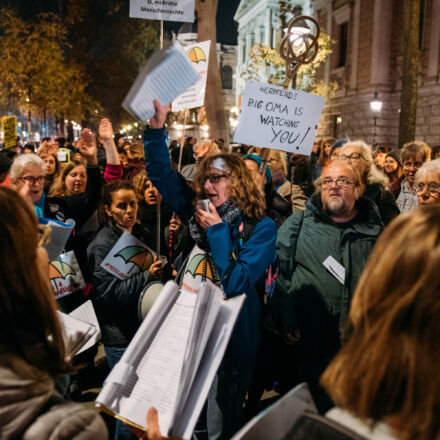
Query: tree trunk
(214, 100)
(410, 70)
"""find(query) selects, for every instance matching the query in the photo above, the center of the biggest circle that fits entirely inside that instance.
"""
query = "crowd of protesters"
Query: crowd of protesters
(337, 254)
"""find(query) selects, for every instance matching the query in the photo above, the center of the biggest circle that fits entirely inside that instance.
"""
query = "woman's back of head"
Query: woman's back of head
(388, 368)
(27, 316)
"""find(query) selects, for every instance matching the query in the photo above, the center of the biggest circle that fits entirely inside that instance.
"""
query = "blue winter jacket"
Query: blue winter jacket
(239, 265)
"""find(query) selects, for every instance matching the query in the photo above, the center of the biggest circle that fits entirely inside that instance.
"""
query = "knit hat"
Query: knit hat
(259, 161)
(395, 154)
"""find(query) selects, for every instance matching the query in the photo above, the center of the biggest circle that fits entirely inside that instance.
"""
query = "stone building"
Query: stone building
(367, 62)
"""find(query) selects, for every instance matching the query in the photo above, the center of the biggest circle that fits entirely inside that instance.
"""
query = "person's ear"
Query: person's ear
(108, 211)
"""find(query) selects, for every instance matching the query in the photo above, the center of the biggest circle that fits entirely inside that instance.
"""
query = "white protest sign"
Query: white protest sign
(272, 117)
(65, 275)
(127, 257)
(198, 54)
(169, 10)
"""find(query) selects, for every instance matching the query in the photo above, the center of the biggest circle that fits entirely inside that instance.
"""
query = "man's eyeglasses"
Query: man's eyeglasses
(340, 183)
(33, 180)
(431, 187)
(352, 157)
(213, 178)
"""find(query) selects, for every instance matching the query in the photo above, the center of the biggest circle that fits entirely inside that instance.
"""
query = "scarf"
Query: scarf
(227, 211)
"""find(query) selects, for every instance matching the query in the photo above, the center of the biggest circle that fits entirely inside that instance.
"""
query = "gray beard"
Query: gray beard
(336, 207)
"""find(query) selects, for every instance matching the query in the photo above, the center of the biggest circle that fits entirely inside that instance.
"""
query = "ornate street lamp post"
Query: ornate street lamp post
(376, 108)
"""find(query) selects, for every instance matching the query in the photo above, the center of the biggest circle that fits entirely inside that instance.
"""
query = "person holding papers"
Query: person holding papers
(231, 243)
(116, 300)
(32, 347)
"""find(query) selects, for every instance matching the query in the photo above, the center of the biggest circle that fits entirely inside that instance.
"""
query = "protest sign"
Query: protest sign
(272, 117)
(65, 275)
(169, 10)
(127, 257)
(198, 54)
(9, 128)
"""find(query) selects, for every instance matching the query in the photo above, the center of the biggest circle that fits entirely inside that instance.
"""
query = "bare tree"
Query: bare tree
(214, 100)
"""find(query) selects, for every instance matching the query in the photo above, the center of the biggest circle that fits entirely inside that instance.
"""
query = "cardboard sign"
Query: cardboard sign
(9, 128)
(169, 10)
(65, 275)
(198, 54)
(272, 117)
(127, 257)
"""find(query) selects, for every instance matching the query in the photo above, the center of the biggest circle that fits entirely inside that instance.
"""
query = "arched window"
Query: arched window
(226, 74)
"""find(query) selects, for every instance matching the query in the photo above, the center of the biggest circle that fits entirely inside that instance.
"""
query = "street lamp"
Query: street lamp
(376, 108)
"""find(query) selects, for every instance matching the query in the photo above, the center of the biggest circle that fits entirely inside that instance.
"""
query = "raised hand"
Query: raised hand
(87, 147)
(105, 130)
(158, 120)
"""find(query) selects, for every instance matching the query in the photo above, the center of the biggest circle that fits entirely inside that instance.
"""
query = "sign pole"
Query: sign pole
(161, 34)
(179, 167)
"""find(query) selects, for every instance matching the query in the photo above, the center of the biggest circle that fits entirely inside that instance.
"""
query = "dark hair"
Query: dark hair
(45, 139)
(29, 147)
(121, 151)
(28, 311)
(107, 197)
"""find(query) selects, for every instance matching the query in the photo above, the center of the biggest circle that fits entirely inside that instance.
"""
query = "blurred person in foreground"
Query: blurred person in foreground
(427, 183)
(358, 154)
(385, 380)
(32, 346)
(322, 252)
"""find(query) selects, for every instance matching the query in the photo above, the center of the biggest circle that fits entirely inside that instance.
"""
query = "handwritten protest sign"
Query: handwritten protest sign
(198, 54)
(170, 10)
(127, 257)
(272, 117)
(65, 275)
(9, 128)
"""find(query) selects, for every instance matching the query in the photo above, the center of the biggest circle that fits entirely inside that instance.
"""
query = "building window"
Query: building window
(226, 75)
(343, 44)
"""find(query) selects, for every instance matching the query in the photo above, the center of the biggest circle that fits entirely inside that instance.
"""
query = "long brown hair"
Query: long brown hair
(242, 189)
(389, 367)
(28, 310)
(59, 188)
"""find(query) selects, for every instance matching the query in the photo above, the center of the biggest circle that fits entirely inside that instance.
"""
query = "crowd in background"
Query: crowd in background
(336, 252)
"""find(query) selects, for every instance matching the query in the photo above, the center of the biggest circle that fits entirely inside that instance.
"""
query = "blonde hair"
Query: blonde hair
(243, 191)
(136, 151)
(213, 147)
(140, 184)
(389, 365)
(374, 175)
(59, 188)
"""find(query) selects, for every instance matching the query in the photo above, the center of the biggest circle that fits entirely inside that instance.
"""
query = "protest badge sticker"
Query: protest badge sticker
(9, 128)
(127, 257)
(168, 10)
(193, 97)
(65, 275)
(272, 117)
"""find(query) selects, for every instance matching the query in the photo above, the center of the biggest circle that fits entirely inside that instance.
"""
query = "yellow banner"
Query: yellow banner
(9, 128)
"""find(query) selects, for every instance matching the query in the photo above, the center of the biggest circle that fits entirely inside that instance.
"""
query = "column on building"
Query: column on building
(329, 31)
(241, 44)
(434, 40)
(268, 28)
(355, 44)
(248, 45)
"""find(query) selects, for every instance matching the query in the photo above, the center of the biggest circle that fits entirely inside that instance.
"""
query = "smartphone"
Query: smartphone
(203, 204)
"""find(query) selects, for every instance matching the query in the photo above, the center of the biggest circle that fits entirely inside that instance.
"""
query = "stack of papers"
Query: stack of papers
(172, 360)
(166, 75)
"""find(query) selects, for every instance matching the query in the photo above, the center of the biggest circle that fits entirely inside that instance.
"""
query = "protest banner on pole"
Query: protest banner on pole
(168, 10)
(127, 257)
(9, 128)
(198, 54)
(272, 117)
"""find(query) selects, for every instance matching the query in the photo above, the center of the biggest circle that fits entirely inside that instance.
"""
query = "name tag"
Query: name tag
(335, 268)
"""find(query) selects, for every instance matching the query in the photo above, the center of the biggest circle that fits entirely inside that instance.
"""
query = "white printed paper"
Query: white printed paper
(169, 10)
(127, 257)
(65, 275)
(166, 75)
(59, 234)
(198, 54)
(86, 313)
(272, 117)
(335, 268)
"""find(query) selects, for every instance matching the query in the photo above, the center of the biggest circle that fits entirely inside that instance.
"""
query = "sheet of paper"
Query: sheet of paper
(335, 268)
(58, 238)
(77, 332)
(165, 76)
(127, 257)
(86, 313)
(158, 374)
(272, 117)
(277, 420)
(169, 10)
(212, 357)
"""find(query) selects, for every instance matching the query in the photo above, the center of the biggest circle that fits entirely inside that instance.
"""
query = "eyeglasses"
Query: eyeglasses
(341, 182)
(414, 165)
(352, 157)
(33, 180)
(213, 178)
(431, 187)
